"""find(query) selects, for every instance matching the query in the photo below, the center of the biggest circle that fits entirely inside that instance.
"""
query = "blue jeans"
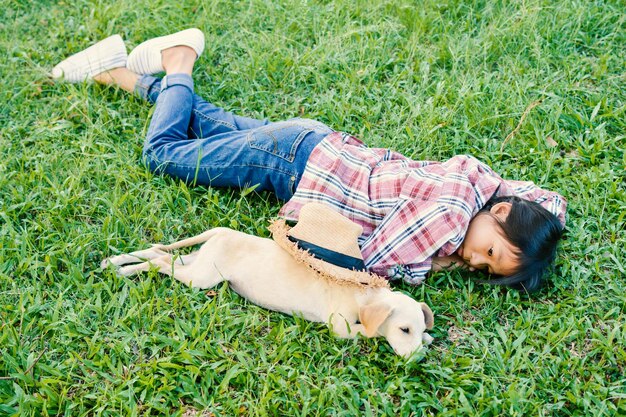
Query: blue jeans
(200, 143)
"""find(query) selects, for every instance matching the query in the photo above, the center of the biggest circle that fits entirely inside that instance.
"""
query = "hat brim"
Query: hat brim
(323, 269)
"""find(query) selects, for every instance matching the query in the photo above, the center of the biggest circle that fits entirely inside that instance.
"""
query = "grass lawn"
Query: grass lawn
(430, 79)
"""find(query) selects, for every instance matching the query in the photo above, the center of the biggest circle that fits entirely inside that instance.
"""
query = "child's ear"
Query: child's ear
(501, 210)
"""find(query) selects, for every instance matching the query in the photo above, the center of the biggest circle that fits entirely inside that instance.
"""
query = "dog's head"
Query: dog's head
(400, 319)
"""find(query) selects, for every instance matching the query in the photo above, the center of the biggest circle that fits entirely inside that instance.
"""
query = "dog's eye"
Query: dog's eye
(405, 330)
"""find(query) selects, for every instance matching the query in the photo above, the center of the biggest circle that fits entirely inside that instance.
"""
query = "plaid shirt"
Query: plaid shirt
(410, 210)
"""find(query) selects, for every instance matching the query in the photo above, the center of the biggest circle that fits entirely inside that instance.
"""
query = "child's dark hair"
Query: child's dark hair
(535, 232)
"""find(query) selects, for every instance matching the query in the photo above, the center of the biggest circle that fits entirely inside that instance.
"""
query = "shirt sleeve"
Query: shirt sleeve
(411, 233)
(413, 274)
(551, 201)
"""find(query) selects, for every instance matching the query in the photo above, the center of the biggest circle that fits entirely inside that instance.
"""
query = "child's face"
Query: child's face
(484, 247)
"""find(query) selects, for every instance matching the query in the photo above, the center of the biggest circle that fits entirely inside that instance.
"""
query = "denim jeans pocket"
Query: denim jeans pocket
(280, 139)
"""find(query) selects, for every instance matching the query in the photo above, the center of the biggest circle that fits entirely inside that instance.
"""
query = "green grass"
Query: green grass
(430, 79)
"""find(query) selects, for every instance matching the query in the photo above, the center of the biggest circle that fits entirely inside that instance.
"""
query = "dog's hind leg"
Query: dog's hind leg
(181, 268)
(134, 257)
(195, 277)
(129, 270)
(158, 250)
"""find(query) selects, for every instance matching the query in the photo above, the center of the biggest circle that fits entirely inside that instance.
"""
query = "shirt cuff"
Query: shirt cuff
(407, 274)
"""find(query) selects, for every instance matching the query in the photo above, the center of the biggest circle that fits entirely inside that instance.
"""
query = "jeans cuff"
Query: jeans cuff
(177, 79)
(143, 86)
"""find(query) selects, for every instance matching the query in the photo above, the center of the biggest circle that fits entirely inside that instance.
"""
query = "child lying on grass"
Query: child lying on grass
(416, 216)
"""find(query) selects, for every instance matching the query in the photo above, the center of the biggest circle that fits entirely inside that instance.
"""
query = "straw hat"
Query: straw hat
(326, 241)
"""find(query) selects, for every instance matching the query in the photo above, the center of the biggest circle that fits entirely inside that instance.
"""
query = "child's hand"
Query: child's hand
(449, 262)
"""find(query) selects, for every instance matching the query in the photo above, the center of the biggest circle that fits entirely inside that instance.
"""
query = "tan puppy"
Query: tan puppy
(265, 274)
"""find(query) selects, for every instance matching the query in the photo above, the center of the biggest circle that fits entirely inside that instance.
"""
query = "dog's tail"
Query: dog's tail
(196, 240)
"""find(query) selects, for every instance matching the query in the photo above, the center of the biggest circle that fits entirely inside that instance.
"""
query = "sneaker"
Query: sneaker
(146, 58)
(105, 55)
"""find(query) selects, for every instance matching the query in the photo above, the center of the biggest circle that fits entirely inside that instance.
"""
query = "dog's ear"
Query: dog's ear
(429, 319)
(372, 316)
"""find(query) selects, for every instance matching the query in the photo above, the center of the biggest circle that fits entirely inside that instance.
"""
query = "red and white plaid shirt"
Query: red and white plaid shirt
(410, 210)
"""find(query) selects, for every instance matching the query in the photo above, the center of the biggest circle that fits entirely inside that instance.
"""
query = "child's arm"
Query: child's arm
(449, 262)
(550, 200)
